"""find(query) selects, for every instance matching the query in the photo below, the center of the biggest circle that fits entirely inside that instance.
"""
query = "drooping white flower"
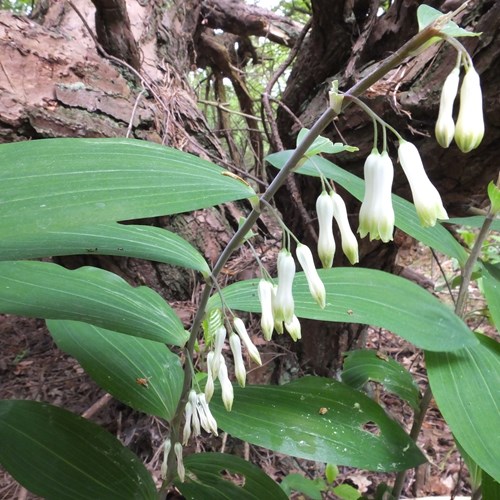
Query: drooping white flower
(209, 385)
(188, 413)
(469, 130)
(326, 240)
(207, 420)
(197, 414)
(283, 304)
(167, 446)
(265, 291)
(239, 365)
(316, 286)
(349, 241)
(226, 386)
(220, 337)
(425, 196)
(294, 329)
(241, 330)
(181, 471)
(445, 126)
(376, 216)
(195, 420)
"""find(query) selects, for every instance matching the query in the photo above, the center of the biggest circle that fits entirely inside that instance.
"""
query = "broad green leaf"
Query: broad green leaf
(364, 365)
(426, 15)
(370, 297)
(407, 220)
(55, 184)
(473, 221)
(490, 488)
(141, 373)
(312, 488)
(208, 477)
(318, 419)
(475, 472)
(143, 242)
(491, 287)
(88, 294)
(466, 386)
(61, 456)
(347, 492)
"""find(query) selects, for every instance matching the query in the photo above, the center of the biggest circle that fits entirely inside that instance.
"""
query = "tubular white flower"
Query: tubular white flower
(425, 196)
(278, 325)
(376, 216)
(326, 241)
(226, 387)
(220, 337)
(349, 241)
(181, 472)
(210, 386)
(469, 130)
(283, 304)
(241, 330)
(195, 421)
(188, 412)
(445, 126)
(164, 465)
(206, 418)
(316, 286)
(294, 329)
(265, 291)
(239, 365)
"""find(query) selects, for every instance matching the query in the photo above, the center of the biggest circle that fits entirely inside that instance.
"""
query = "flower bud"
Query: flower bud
(283, 304)
(469, 130)
(181, 471)
(241, 330)
(265, 291)
(376, 215)
(293, 328)
(445, 126)
(226, 386)
(239, 365)
(188, 413)
(349, 241)
(326, 241)
(425, 196)
(164, 466)
(220, 337)
(209, 385)
(316, 286)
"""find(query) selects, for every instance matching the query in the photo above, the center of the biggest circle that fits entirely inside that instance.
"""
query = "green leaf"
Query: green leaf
(370, 297)
(473, 221)
(407, 220)
(323, 145)
(312, 488)
(141, 373)
(88, 294)
(143, 242)
(363, 365)
(475, 472)
(491, 288)
(55, 184)
(59, 456)
(494, 196)
(318, 419)
(208, 478)
(331, 472)
(347, 492)
(466, 386)
(490, 488)
(426, 15)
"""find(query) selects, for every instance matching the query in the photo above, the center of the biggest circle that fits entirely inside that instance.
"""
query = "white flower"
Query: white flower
(283, 304)
(195, 420)
(239, 365)
(349, 241)
(188, 413)
(226, 386)
(316, 286)
(197, 414)
(265, 291)
(445, 126)
(209, 385)
(181, 472)
(469, 130)
(241, 330)
(220, 337)
(425, 196)
(293, 328)
(326, 241)
(376, 216)
(166, 450)
(207, 420)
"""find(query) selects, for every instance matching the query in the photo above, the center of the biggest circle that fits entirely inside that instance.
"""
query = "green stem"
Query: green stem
(323, 121)
(459, 311)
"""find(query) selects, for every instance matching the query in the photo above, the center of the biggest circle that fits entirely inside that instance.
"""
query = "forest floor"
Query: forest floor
(32, 367)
